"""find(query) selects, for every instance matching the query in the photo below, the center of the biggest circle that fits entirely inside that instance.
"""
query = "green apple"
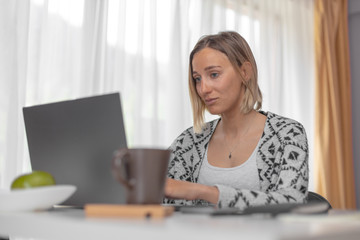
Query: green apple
(33, 179)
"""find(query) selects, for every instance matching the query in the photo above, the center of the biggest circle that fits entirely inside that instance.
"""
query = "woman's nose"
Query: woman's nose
(204, 86)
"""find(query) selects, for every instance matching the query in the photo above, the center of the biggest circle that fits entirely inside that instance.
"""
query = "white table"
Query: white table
(72, 224)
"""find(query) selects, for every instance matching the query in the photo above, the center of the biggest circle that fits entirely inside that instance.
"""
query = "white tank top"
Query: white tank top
(244, 176)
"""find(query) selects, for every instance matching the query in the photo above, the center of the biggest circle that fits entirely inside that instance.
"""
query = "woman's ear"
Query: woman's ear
(246, 71)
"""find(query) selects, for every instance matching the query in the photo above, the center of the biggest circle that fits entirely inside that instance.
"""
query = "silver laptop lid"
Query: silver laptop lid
(74, 141)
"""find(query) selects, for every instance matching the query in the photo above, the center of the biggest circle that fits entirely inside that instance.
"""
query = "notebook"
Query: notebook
(74, 141)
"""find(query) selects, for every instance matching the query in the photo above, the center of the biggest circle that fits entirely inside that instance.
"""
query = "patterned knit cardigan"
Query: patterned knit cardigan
(282, 161)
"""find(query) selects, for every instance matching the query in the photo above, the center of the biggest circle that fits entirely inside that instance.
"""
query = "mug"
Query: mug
(142, 171)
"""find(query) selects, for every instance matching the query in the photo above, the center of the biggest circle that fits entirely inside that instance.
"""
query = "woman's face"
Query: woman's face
(218, 84)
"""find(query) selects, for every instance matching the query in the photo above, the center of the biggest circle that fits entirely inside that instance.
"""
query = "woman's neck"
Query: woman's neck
(233, 125)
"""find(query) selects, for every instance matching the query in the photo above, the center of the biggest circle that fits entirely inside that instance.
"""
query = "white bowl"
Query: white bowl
(31, 199)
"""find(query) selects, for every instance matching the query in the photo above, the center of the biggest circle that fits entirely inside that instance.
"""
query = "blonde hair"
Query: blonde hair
(235, 47)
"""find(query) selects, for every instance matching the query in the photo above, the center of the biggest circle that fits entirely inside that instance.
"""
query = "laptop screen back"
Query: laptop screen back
(74, 141)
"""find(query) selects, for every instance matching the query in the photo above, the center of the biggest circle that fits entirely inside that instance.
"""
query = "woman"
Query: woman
(246, 157)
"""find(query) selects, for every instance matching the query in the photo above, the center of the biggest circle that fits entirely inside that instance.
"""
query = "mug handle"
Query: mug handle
(121, 157)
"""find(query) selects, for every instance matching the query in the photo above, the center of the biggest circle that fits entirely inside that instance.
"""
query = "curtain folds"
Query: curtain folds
(333, 133)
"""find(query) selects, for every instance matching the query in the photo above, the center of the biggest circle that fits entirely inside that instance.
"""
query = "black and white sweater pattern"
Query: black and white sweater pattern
(282, 162)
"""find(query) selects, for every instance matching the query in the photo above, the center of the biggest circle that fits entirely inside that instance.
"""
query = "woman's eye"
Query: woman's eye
(214, 75)
(197, 79)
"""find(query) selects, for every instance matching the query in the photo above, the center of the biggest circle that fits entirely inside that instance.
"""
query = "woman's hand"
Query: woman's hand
(177, 189)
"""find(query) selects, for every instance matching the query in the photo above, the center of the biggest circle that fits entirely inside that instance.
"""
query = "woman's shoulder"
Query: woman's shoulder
(189, 137)
(277, 120)
(285, 128)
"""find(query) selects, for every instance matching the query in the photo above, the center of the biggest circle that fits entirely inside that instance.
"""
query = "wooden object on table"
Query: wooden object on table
(127, 210)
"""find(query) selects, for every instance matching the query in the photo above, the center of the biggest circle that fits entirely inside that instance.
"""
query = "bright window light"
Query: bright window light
(38, 2)
(131, 28)
(72, 11)
(230, 18)
(113, 12)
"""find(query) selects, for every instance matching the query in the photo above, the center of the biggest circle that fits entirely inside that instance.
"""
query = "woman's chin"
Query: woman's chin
(213, 111)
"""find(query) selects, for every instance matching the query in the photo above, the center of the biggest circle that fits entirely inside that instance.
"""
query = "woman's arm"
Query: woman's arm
(177, 189)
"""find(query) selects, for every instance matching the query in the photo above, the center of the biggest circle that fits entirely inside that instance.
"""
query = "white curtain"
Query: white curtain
(53, 50)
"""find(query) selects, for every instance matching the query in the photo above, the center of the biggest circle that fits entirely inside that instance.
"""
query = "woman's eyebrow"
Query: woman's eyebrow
(207, 69)
(211, 67)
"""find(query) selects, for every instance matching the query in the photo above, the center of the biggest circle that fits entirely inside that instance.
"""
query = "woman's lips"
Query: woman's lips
(210, 101)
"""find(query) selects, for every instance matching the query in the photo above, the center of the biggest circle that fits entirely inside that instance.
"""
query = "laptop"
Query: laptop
(74, 141)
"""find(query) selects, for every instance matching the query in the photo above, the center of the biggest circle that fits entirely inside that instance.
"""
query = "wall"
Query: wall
(354, 36)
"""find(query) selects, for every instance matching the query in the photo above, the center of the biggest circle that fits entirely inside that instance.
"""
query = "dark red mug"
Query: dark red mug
(142, 171)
